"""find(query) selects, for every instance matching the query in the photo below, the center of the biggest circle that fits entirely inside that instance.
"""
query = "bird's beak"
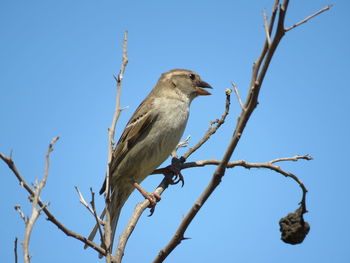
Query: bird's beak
(200, 85)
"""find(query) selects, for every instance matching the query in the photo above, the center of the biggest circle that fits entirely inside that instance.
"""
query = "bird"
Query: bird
(152, 133)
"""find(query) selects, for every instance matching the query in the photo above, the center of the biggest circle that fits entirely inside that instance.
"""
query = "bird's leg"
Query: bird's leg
(153, 198)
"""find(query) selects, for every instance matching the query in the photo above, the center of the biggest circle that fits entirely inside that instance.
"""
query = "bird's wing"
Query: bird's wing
(139, 124)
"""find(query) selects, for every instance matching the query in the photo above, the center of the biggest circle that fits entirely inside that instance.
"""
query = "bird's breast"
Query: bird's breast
(159, 141)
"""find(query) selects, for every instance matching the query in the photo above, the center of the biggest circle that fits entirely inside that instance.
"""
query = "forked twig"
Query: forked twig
(10, 163)
(98, 220)
(39, 186)
(35, 195)
(89, 208)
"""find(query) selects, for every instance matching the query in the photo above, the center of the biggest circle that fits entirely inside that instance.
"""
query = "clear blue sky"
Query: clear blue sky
(57, 59)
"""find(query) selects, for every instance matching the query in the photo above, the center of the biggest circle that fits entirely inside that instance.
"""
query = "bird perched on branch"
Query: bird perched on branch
(151, 134)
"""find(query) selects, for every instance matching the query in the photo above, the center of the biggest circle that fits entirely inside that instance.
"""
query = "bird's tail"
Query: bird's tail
(118, 198)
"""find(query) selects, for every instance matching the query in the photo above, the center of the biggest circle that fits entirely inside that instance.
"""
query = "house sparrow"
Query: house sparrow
(151, 134)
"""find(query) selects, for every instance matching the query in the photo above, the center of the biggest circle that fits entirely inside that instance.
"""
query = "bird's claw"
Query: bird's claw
(177, 178)
(175, 174)
(153, 199)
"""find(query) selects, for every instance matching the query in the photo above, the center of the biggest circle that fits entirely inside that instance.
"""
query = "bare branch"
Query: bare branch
(118, 109)
(84, 203)
(309, 17)
(266, 46)
(244, 163)
(235, 88)
(10, 163)
(266, 27)
(111, 133)
(15, 250)
(294, 158)
(82, 200)
(268, 165)
(21, 214)
(99, 222)
(29, 222)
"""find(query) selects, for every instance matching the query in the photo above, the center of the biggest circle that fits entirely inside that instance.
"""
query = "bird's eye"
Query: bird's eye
(192, 76)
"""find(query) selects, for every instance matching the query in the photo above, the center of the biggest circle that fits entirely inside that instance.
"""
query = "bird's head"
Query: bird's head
(185, 83)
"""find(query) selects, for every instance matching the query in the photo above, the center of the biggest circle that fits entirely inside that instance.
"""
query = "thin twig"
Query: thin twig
(267, 165)
(38, 186)
(84, 203)
(257, 63)
(15, 250)
(82, 200)
(309, 17)
(118, 109)
(10, 163)
(243, 163)
(212, 129)
(235, 88)
(99, 222)
(266, 27)
(294, 158)
(111, 132)
(21, 214)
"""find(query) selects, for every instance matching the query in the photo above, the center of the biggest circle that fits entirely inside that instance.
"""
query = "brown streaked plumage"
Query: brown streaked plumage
(151, 134)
